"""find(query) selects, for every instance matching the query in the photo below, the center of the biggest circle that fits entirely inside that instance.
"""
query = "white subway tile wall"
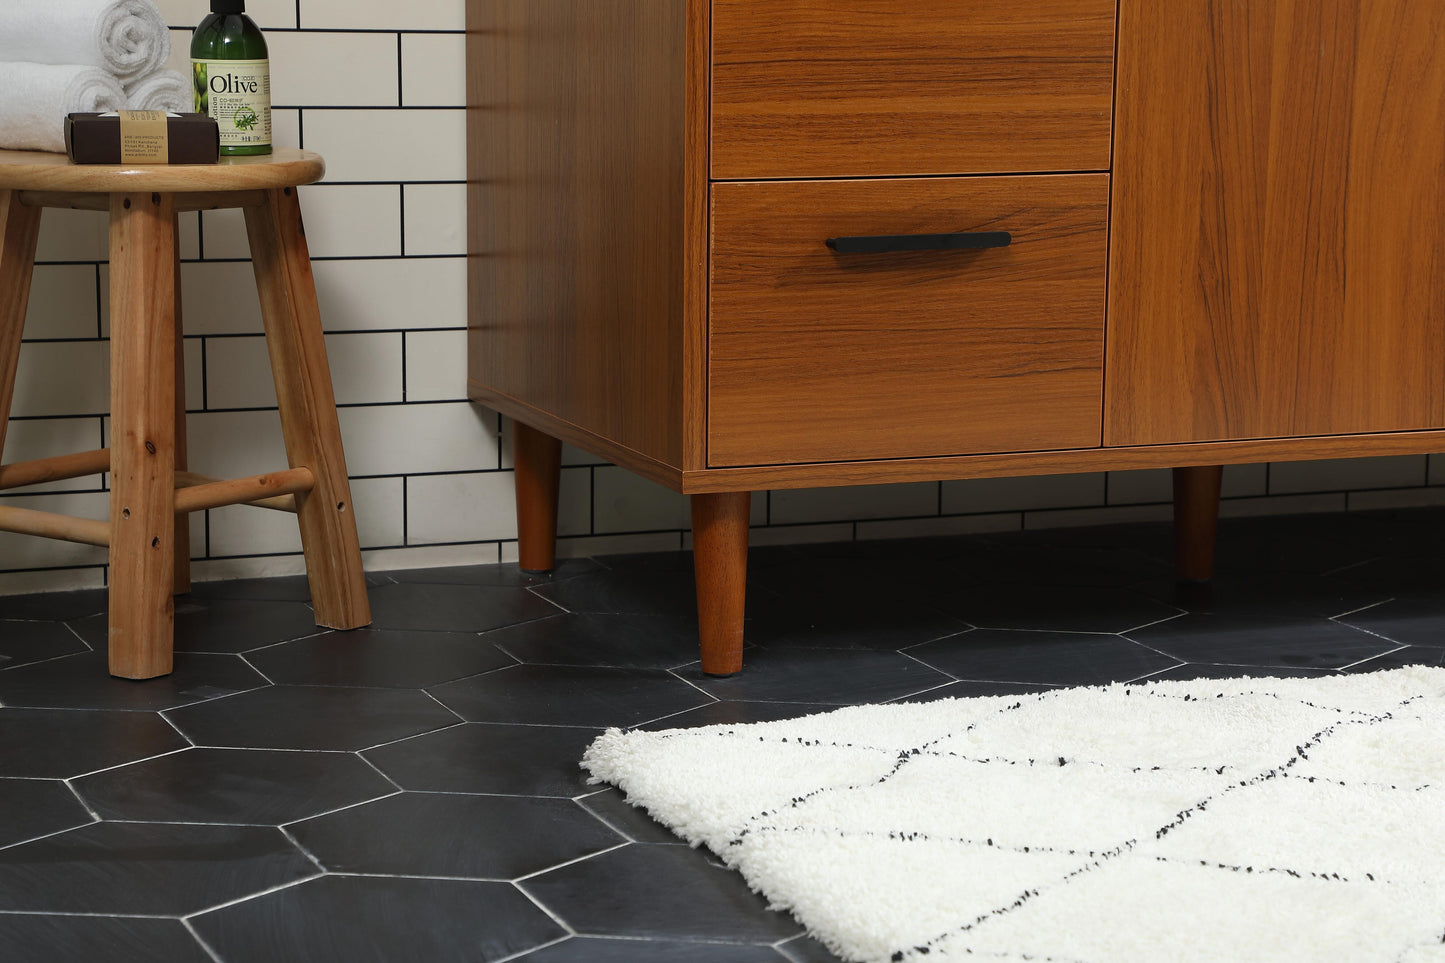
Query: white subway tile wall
(378, 87)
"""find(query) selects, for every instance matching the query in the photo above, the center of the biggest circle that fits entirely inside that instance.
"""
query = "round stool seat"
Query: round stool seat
(23, 170)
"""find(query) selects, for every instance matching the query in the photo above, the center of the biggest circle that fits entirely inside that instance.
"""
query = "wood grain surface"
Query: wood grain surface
(19, 233)
(1279, 220)
(309, 423)
(1006, 464)
(845, 88)
(818, 356)
(720, 563)
(142, 435)
(38, 171)
(582, 236)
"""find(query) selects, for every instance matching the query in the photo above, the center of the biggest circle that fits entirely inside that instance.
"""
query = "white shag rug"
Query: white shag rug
(1237, 820)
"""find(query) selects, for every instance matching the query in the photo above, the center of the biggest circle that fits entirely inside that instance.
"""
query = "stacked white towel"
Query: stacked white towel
(162, 90)
(127, 38)
(34, 99)
(59, 57)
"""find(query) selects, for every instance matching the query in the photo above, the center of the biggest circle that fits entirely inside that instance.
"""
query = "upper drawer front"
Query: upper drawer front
(855, 88)
(817, 355)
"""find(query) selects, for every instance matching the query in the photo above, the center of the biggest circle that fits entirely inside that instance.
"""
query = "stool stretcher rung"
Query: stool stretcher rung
(67, 528)
(58, 468)
(275, 490)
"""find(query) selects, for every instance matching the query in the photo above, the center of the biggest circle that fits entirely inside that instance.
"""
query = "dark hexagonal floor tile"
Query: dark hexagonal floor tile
(60, 743)
(53, 606)
(260, 787)
(805, 949)
(483, 758)
(1409, 621)
(842, 677)
(1394, 576)
(1409, 655)
(1262, 640)
(1301, 544)
(735, 712)
(146, 869)
(612, 807)
(311, 717)
(25, 642)
(1036, 562)
(1056, 608)
(96, 939)
(627, 641)
(451, 835)
(358, 918)
(1283, 595)
(970, 689)
(506, 575)
(671, 892)
(1202, 670)
(852, 620)
(389, 658)
(285, 588)
(596, 949)
(84, 682)
(1045, 658)
(844, 581)
(637, 592)
(454, 608)
(223, 625)
(562, 695)
(30, 808)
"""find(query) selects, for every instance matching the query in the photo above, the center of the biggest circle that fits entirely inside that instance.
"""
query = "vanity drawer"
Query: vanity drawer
(816, 355)
(853, 88)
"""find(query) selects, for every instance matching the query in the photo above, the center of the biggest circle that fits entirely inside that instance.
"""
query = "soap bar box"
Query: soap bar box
(188, 138)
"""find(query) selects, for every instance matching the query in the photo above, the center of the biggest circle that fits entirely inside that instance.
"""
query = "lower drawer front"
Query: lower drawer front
(816, 355)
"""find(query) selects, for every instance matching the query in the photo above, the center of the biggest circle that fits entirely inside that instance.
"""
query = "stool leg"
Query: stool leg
(182, 582)
(308, 409)
(537, 467)
(142, 434)
(19, 228)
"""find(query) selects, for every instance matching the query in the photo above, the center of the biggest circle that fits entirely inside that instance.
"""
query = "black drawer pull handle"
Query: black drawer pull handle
(888, 243)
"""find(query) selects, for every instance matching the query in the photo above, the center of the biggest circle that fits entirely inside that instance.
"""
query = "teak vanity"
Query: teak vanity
(741, 245)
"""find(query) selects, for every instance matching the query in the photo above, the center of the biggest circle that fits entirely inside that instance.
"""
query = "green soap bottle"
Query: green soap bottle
(232, 78)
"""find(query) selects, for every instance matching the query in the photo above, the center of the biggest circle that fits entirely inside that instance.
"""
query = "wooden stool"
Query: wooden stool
(151, 491)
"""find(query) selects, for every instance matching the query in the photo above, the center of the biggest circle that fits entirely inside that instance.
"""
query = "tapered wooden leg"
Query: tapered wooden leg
(142, 435)
(537, 460)
(182, 581)
(1196, 516)
(308, 409)
(720, 556)
(19, 228)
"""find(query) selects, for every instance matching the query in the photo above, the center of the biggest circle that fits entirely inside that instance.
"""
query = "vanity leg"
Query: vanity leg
(537, 458)
(1196, 515)
(720, 556)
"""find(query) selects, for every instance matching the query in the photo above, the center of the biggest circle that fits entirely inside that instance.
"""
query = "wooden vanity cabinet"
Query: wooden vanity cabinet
(735, 246)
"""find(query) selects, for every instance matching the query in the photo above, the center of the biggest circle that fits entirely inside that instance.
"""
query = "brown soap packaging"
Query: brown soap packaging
(142, 137)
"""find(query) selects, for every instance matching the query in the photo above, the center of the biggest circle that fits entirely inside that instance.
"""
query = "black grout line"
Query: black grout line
(400, 97)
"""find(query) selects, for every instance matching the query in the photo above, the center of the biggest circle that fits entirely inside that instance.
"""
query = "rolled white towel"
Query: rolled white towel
(34, 99)
(163, 90)
(126, 37)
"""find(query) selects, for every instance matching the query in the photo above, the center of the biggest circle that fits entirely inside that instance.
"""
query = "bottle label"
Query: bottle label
(236, 94)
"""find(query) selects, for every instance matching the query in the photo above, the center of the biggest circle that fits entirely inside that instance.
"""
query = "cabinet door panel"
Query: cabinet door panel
(822, 355)
(1278, 234)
